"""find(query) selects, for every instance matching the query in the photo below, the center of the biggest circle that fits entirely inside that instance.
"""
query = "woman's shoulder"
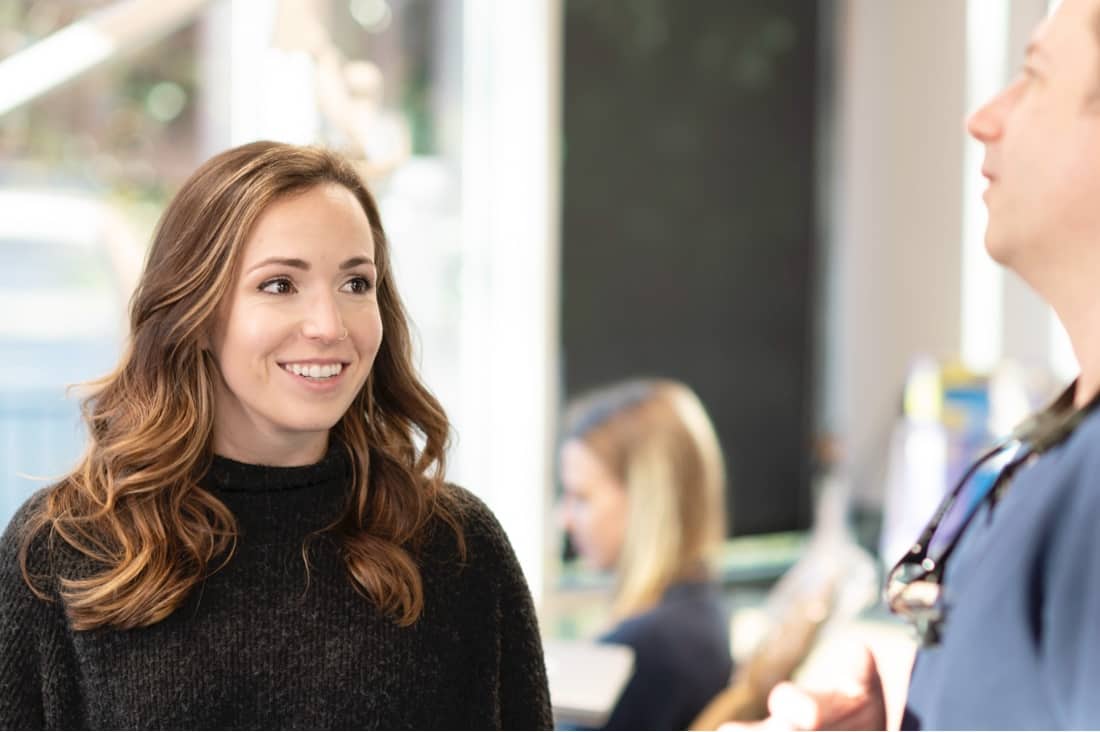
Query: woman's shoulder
(473, 514)
(24, 519)
(25, 528)
(644, 628)
(686, 607)
(486, 543)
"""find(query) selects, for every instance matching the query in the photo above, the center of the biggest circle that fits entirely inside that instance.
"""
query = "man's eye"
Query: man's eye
(358, 285)
(277, 286)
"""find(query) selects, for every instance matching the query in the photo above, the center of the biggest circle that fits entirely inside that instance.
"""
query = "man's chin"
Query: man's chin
(999, 249)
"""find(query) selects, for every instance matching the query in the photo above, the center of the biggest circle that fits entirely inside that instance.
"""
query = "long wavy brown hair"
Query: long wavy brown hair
(133, 504)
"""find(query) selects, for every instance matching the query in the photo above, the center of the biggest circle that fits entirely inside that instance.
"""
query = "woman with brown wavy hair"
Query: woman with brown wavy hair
(259, 534)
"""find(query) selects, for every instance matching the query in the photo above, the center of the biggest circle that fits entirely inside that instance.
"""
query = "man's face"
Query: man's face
(1042, 146)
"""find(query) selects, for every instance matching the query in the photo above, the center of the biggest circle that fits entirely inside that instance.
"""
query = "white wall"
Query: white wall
(893, 191)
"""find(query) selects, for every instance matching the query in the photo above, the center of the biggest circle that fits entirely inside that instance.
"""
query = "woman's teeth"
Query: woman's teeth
(315, 371)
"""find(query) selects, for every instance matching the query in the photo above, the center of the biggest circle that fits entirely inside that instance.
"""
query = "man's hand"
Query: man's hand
(856, 703)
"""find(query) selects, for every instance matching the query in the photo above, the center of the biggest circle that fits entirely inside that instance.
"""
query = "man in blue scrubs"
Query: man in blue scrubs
(1004, 585)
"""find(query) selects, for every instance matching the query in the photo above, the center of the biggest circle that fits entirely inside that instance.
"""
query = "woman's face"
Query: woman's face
(297, 334)
(593, 509)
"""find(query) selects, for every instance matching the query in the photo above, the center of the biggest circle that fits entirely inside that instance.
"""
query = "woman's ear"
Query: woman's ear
(208, 332)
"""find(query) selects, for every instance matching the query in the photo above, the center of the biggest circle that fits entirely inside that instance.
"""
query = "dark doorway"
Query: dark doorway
(688, 229)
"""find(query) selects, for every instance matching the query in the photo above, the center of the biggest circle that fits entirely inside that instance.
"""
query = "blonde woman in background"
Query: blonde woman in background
(644, 486)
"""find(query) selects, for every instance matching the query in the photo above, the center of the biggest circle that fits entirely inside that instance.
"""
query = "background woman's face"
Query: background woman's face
(288, 371)
(594, 507)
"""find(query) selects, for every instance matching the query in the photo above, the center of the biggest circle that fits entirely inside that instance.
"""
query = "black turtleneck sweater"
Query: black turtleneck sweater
(255, 647)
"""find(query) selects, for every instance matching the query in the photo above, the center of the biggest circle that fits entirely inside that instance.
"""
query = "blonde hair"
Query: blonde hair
(655, 437)
(133, 505)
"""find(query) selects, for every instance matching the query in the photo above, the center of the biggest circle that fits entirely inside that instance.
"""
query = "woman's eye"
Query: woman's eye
(277, 286)
(358, 285)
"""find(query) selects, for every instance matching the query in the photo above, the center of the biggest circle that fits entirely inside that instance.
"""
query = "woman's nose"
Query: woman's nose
(324, 321)
(563, 516)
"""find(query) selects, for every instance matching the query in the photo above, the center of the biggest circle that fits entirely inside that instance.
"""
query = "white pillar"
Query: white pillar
(251, 89)
(510, 210)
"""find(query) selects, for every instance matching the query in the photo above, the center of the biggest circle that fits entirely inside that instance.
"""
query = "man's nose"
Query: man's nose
(987, 122)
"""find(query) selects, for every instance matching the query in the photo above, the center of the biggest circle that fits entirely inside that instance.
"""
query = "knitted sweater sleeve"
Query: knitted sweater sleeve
(21, 704)
(524, 693)
(37, 690)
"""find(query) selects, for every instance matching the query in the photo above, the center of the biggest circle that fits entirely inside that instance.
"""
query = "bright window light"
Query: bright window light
(49, 62)
(987, 25)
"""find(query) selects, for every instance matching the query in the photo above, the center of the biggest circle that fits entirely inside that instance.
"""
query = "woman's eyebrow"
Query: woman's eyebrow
(286, 261)
(355, 262)
(304, 265)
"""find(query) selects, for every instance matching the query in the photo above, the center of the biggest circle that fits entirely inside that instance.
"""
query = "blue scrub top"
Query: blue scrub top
(1021, 636)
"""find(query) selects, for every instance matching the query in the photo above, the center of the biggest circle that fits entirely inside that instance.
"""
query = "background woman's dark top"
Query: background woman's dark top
(681, 659)
(257, 646)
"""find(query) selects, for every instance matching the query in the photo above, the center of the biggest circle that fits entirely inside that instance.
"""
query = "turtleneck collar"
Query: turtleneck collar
(277, 505)
(230, 476)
